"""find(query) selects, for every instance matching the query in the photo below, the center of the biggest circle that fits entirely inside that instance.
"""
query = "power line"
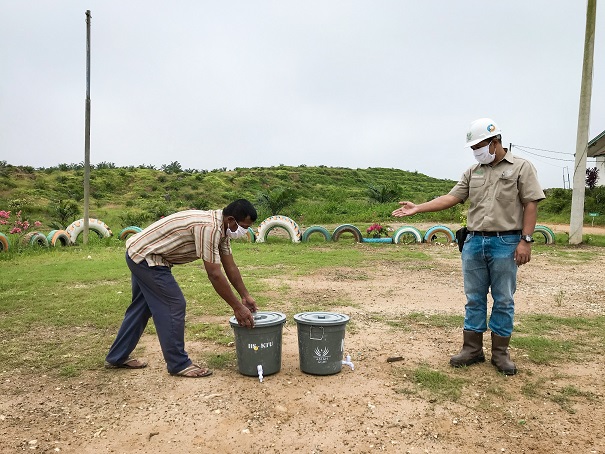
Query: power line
(542, 149)
(522, 148)
(542, 156)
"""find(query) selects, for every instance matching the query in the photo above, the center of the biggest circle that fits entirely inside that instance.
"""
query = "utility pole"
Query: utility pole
(579, 175)
(87, 133)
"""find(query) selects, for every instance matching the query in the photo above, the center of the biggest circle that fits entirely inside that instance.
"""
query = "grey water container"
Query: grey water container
(261, 345)
(321, 338)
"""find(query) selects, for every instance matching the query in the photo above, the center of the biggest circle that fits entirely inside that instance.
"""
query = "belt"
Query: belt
(508, 232)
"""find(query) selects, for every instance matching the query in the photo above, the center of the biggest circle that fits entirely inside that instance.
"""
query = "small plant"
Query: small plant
(19, 225)
(376, 230)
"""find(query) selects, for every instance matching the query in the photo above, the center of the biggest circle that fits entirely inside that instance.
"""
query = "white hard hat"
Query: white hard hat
(481, 129)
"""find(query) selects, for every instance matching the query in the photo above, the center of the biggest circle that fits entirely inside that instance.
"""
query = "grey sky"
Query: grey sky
(261, 83)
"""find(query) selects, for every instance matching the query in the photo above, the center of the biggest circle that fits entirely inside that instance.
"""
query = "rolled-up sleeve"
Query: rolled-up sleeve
(529, 187)
(461, 190)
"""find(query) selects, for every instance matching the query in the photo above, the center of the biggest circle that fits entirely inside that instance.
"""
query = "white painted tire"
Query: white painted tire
(95, 225)
(273, 222)
(549, 235)
(407, 230)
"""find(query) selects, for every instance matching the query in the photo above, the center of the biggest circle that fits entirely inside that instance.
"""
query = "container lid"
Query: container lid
(263, 319)
(321, 318)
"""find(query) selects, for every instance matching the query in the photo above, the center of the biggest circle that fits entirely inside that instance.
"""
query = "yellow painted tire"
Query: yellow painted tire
(131, 230)
(59, 236)
(3, 243)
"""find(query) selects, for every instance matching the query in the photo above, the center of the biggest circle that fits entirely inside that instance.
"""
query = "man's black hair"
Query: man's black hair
(240, 209)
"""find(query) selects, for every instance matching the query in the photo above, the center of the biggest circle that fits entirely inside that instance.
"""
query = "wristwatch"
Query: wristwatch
(527, 238)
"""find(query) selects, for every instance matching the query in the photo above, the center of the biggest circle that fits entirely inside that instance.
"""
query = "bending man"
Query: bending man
(176, 239)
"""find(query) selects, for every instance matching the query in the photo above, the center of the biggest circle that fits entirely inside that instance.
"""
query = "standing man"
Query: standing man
(504, 193)
(180, 238)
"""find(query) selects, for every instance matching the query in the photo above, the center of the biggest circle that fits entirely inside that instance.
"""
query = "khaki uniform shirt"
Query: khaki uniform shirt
(181, 238)
(497, 193)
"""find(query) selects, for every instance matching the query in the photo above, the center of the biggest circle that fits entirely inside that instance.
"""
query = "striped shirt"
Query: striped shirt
(182, 237)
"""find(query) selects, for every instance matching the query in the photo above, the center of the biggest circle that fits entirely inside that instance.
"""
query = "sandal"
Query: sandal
(130, 363)
(193, 371)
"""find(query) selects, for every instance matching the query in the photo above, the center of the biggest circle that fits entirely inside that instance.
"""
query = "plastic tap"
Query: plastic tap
(348, 362)
(259, 368)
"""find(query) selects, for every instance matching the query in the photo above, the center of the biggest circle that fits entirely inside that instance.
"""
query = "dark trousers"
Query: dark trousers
(155, 293)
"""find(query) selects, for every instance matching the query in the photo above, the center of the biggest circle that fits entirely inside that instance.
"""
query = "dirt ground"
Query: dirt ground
(355, 411)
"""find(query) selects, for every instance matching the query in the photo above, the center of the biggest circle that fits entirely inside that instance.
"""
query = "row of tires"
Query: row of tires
(69, 236)
(405, 234)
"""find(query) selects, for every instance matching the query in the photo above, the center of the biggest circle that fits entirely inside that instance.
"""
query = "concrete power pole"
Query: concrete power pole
(87, 133)
(579, 175)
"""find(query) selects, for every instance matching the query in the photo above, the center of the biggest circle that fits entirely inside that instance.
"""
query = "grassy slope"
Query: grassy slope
(326, 195)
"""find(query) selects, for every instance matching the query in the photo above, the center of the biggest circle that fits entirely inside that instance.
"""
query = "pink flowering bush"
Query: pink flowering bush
(18, 225)
(376, 231)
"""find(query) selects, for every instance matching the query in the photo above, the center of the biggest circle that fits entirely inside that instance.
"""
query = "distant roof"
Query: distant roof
(596, 147)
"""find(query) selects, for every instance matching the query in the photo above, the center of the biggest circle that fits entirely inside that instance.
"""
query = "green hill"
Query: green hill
(123, 196)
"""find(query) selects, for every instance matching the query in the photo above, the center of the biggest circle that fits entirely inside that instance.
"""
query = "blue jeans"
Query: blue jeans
(155, 293)
(488, 263)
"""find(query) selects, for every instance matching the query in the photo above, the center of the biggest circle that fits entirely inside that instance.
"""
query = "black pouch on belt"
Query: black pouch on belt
(461, 235)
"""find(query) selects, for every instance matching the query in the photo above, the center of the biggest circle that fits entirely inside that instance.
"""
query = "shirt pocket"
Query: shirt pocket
(477, 182)
(507, 189)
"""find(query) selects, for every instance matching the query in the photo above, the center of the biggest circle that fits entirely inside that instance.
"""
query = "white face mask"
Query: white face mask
(239, 233)
(483, 156)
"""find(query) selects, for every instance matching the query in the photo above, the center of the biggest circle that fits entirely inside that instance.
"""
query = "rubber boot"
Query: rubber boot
(500, 356)
(472, 350)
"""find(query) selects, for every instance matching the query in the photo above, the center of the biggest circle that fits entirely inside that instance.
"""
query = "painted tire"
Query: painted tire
(437, 230)
(316, 229)
(347, 228)
(35, 239)
(278, 221)
(3, 243)
(60, 236)
(549, 235)
(251, 234)
(131, 230)
(406, 232)
(75, 228)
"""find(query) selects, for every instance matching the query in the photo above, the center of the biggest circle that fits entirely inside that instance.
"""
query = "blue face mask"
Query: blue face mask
(483, 156)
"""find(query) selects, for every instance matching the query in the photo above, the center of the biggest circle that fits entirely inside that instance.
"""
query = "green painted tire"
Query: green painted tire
(35, 239)
(549, 235)
(439, 229)
(316, 229)
(58, 235)
(251, 234)
(131, 230)
(347, 228)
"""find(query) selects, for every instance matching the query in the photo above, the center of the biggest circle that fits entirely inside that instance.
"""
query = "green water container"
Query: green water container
(321, 339)
(261, 345)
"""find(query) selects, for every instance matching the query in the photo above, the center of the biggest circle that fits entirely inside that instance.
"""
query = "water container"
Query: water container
(321, 338)
(260, 345)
